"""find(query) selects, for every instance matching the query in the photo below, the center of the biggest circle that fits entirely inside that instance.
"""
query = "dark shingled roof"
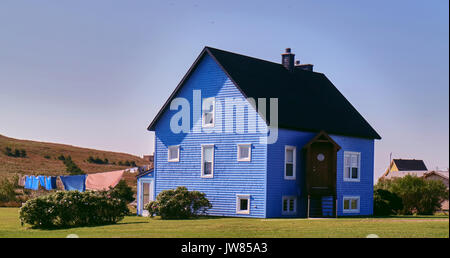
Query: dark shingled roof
(306, 100)
(410, 164)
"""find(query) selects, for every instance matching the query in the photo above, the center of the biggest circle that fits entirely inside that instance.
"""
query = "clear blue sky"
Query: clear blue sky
(95, 73)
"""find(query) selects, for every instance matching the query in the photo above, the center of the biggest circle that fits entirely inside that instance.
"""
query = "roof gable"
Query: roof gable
(307, 100)
(410, 165)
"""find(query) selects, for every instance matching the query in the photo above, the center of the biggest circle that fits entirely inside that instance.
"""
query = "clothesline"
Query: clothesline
(96, 181)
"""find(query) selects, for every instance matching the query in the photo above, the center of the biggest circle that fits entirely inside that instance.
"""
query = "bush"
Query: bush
(386, 203)
(73, 209)
(18, 153)
(7, 190)
(179, 204)
(71, 167)
(123, 192)
(97, 160)
(418, 195)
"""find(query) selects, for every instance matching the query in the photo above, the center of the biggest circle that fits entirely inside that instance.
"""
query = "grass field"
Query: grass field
(132, 226)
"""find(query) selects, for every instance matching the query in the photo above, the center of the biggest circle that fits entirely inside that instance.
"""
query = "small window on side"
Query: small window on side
(173, 153)
(244, 152)
(243, 204)
(351, 204)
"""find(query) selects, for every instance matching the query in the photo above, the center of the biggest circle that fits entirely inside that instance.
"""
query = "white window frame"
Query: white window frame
(350, 198)
(213, 111)
(359, 166)
(212, 165)
(239, 197)
(294, 162)
(168, 153)
(288, 198)
(249, 158)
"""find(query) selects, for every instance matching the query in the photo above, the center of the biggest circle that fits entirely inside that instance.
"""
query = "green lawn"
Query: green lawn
(132, 226)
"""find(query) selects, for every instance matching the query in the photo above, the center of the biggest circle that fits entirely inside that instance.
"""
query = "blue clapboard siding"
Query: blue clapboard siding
(277, 186)
(363, 188)
(230, 176)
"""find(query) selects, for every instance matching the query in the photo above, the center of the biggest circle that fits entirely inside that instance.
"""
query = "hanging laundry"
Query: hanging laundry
(52, 180)
(59, 183)
(27, 182)
(49, 182)
(22, 181)
(76, 182)
(102, 181)
(42, 180)
(32, 182)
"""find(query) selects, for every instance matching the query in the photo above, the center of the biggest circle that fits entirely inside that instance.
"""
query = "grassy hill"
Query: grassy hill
(42, 158)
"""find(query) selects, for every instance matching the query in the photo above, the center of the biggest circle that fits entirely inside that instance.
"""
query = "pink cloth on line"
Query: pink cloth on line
(102, 181)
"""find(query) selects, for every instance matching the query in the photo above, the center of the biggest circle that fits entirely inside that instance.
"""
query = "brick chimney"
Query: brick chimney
(287, 59)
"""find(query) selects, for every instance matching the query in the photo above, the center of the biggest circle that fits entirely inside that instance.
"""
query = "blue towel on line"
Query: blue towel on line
(42, 180)
(32, 182)
(77, 182)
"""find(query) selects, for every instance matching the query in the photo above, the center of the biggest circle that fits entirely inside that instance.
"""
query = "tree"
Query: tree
(386, 203)
(418, 195)
(123, 192)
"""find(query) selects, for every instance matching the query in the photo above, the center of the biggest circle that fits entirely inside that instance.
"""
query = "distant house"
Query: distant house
(441, 176)
(415, 167)
(403, 167)
(320, 163)
(148, 158)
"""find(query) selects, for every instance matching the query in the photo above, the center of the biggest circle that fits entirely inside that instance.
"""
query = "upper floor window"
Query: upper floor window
(289, 162)
(207, 160)
(173, 153)
(351, 204)
(208, 109)
(244, 152)
(352, 166)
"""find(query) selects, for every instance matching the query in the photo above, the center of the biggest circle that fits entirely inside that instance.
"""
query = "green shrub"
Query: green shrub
(71, 167)
(73, 209)
(97, 160)
(18, 153)
(386, 203)
(179, 204)
(418, 195)
(7, 190)
(123, 192)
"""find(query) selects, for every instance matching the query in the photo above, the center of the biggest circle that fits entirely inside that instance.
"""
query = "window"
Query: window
(289, 162)
(207, 160)
(208, 108)
(174, 153)
(244, 152)
(243, 204)
(289, 205)
(352, 166)
(351, 204)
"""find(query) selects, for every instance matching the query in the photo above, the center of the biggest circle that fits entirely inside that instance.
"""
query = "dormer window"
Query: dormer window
(208, 110)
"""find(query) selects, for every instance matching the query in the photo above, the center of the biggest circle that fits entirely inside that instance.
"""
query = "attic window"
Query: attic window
(208, 109)
(174, 153)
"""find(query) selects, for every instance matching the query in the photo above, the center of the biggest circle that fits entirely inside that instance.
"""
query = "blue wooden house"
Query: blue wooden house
(262, 139)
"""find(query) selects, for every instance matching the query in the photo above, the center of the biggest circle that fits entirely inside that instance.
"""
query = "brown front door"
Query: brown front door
(321, 175)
